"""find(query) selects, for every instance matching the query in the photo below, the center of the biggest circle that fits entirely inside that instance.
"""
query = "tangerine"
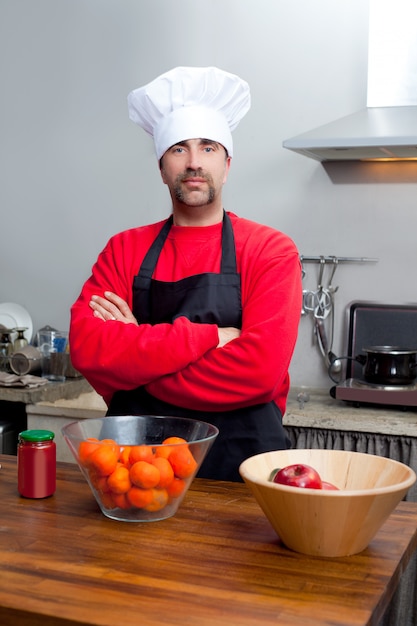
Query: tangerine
(99, 482)
(144, 474)
(176, 488)
(163, 451)
(165, 470)
(174, 440)
(182, 461)
(139, 497)
(167, 446)
(124, 455)
(159, 500)
(85, 448)
(104, 458)
(119, 480)
(141, 453)
(107, 500)
(121, 501)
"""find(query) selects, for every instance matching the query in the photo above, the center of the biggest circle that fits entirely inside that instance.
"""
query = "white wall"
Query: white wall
(74, 169)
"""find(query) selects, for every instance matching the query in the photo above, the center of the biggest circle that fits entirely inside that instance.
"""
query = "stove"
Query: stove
(371, 324)
(359, 392)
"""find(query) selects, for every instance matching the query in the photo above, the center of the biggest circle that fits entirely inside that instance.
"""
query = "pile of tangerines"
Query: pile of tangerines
(140, 476)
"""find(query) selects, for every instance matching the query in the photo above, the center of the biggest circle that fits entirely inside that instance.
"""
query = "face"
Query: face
(195, 171)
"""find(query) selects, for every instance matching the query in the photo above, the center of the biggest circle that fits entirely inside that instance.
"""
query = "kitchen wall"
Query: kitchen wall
(74, 169)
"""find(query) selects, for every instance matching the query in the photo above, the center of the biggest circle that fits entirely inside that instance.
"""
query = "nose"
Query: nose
(193, 158)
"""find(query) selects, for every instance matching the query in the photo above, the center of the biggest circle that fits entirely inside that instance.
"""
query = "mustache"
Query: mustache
(191, 173)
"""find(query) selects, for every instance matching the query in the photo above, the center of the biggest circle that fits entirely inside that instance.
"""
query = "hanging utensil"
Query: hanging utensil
(303, 273)
(334, 364)
(321, 335)
(325, 309)
(330, 286)
(323, 300)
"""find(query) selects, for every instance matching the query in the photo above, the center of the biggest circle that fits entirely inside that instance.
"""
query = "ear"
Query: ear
(227, 168)
(161, 171)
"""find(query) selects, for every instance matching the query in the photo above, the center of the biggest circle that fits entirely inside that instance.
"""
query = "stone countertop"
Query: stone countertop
(51, 391)
(85, 405)
(322, 411)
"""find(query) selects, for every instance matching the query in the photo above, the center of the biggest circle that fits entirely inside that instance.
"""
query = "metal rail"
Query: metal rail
(337, 259)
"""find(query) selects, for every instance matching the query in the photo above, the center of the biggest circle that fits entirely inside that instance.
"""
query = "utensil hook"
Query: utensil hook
(321, 273)
(330, 287)
(303, 272)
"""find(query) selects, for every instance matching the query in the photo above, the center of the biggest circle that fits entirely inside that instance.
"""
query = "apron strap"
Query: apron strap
(151, 257)
(228, 262)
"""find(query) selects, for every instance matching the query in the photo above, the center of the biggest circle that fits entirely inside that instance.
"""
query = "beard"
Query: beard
(194, 197)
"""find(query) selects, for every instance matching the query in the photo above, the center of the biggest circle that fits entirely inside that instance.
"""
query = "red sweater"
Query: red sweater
(179, 362)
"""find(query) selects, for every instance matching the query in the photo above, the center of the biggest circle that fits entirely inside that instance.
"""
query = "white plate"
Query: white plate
(15, 316)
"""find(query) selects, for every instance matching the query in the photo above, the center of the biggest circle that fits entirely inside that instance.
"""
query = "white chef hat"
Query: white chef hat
(190, 103)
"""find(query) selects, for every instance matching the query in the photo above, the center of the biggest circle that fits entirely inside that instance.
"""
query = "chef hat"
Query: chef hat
(190, 103)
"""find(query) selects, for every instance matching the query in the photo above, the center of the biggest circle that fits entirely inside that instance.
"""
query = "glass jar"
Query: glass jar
(36, 463)
(20, 341)
(6, 349)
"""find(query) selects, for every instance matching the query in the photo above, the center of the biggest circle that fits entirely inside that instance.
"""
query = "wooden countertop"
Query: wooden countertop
(217, 561)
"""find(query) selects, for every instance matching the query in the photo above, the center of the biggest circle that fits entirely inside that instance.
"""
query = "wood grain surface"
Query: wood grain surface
(216, 562)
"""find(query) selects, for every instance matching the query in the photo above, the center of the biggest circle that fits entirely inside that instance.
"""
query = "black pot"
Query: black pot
(388, 365)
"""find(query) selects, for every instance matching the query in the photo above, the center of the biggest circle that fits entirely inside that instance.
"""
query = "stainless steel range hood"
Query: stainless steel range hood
(373, 133)
(387, 128)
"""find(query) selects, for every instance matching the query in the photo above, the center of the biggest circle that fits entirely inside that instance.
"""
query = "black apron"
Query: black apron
(209, 299)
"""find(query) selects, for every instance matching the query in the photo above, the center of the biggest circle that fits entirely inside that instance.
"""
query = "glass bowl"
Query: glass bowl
(139, 467)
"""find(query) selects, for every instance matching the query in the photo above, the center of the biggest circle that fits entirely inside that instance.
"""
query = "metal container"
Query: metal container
(389, 365)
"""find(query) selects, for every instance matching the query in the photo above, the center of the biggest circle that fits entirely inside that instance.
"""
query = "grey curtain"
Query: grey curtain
(403, 608)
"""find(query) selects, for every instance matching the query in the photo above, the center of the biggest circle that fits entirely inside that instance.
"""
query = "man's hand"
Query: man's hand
(112, 308)
(227, 334)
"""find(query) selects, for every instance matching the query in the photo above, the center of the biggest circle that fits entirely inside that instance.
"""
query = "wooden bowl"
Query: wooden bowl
(328, 523)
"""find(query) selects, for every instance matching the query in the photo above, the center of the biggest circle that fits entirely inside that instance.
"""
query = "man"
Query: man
(195, 316)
